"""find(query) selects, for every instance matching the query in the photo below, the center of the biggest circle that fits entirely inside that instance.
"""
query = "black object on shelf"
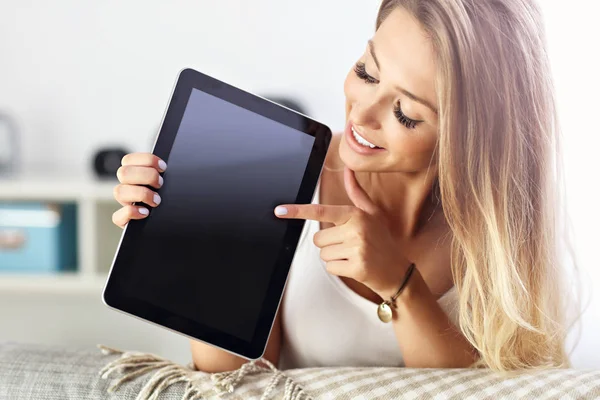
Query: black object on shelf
(107, 162)
(8, 144)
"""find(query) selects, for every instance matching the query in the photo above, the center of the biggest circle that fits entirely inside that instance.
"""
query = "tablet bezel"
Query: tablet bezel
(114, 296)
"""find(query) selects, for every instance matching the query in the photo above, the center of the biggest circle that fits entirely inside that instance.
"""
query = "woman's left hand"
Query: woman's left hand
(360, 245)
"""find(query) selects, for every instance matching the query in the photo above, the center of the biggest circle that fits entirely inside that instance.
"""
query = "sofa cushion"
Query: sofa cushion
(52, 373)
(37, 372)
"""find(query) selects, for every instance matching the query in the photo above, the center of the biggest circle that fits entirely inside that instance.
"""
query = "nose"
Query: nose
(368, 112)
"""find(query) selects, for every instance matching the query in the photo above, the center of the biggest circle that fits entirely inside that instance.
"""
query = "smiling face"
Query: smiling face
(391, 102)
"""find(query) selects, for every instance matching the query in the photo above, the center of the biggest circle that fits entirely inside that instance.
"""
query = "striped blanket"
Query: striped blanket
(261, 380)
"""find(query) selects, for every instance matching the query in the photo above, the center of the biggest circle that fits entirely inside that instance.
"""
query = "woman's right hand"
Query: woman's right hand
(136, 171)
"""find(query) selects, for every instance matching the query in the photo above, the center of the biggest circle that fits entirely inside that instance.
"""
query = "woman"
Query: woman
(447, 162)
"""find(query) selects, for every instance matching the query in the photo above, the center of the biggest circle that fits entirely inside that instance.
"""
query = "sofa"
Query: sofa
(38, 372)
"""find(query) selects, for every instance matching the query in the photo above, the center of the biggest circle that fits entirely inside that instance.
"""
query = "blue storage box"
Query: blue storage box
(37, 237)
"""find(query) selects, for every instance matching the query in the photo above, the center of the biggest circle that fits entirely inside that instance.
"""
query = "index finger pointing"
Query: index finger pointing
(319, 212)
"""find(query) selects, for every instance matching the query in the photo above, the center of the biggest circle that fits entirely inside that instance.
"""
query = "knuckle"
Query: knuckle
(154, 159)
(130, 211)
(360, 252)
(121, 173)
(117, 192)
(325, 255)
(316, 239)
(147, 159)
(148, 196)
(330, 266)
(158, 180)
(116, 219)
(320, 211)
(125, 159)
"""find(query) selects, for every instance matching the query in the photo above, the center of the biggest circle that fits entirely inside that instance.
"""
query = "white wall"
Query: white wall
(79, 75)
(573, 32)
(82, 74)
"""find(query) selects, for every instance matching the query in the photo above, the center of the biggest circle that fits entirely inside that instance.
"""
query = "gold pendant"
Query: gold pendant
(384, 312)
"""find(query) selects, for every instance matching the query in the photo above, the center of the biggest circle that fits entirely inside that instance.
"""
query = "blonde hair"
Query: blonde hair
(498, 168)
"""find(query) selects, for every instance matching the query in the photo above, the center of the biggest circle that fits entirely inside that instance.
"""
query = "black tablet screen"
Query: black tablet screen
(208, 251)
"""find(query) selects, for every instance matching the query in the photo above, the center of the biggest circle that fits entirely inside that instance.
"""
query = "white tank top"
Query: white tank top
(327, 324)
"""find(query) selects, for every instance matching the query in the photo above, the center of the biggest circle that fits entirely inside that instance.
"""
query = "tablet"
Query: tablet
(211, 261)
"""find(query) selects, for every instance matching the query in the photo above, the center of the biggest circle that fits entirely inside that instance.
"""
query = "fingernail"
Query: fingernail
(281, 210)
(162, 165)
(143, 211)
(160, 181)
(157, 198)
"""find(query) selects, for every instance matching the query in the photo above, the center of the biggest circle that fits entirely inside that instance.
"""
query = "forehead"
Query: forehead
(406, 54)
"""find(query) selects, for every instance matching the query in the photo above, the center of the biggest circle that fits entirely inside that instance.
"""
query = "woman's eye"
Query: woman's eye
(404, 120)
(361, 72)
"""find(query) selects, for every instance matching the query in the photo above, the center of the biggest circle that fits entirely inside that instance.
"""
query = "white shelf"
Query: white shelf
(97, 238)
(56, 188)
(65, 283)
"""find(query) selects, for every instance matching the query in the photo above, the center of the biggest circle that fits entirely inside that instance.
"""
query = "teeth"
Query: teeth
(362, 140)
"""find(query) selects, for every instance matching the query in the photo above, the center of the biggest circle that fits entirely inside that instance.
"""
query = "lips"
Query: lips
(362, 140)
(358, 143)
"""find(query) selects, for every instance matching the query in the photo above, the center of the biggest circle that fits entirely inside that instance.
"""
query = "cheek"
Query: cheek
(418, 147)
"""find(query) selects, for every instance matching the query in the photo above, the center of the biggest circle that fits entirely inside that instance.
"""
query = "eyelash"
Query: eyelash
(404, 120)
(361, 72)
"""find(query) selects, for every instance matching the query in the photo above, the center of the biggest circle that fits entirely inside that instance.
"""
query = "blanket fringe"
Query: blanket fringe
(131, 365)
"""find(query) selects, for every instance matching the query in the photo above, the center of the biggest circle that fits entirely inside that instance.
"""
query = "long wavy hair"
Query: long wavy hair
(498, 174)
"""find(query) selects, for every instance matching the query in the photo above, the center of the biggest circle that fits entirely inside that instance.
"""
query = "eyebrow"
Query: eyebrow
(404, 91)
